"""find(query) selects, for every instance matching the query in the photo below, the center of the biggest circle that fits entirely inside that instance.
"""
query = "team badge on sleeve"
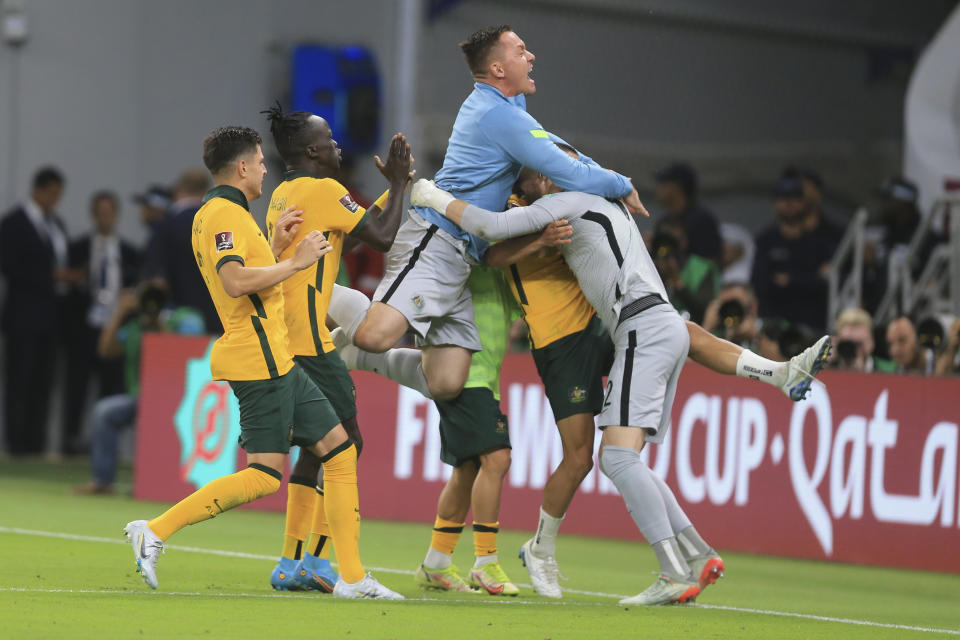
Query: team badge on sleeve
(349, 203)
(224, 240)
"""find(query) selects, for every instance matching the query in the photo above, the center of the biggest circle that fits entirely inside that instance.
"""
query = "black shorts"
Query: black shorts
(328, 372)
(572, 370)
(471, 424)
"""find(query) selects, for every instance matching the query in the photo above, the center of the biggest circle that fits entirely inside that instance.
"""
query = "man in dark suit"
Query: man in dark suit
(108, 264)
(175, 249)
(34, 262)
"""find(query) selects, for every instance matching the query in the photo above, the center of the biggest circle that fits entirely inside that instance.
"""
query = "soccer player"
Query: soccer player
(426, 287)
(618, 278)
(279, 404)
(311, 157)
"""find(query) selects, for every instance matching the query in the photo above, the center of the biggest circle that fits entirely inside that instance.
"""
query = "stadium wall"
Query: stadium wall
(864, 471)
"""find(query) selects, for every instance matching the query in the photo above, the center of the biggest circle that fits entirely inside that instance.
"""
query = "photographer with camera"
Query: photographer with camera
(691, 280)
(732, 315)
(854, 344)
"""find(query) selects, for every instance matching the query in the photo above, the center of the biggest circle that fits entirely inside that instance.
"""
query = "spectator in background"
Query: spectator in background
(793, 260)
(732, 315)
(738, 252)
(906, 351)
(691, 280)
(121, 338)
(676, 191)
(34, 262)
(174, 250)
(853, 344)
(154, 204)
(108, 264)
(948, 362)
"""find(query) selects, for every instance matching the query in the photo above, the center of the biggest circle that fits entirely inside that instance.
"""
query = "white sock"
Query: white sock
(482, 560)
(545, 542)
(403, 366)
(750, 365)
(348, 308)
(437, 559)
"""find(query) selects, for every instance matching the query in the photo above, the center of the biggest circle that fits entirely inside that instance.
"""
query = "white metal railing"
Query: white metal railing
(847, 291)
(937, 289)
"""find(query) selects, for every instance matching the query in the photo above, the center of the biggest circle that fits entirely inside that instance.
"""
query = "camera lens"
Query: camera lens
(731, 313)
(847, 350)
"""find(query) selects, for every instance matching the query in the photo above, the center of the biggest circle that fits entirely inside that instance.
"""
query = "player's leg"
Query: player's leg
(301, 499)
(316, 426)
(437, 570)
(572, 370)
(487, 572)
(306, 529)
(793, 377)
(651, 349)
(266, 413)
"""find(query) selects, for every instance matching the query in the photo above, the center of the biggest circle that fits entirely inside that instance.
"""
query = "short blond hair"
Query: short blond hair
(854, 317)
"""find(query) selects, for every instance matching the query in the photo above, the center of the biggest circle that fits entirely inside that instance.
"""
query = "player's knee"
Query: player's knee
(497, 461)
(370, 338)
(444, 389)
(307, 466)
(580, 462)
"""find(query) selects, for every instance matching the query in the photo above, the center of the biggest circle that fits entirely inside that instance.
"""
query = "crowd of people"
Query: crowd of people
(769, 290)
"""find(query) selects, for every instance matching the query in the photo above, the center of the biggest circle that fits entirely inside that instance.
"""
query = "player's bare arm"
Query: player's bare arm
(516, 249)
(239, 280)
(381, 229)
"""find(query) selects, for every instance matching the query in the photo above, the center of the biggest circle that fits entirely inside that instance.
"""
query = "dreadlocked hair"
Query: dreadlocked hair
(288, 130)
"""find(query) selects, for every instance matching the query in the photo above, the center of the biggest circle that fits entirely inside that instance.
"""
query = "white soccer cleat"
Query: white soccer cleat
(804, 367)
(544, 572)
(665, 591)
(147, 548)
(347, 351)
(366, 588)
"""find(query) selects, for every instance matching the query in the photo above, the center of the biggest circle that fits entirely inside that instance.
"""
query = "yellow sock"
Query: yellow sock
(485, 538)
(319, 543)
(446, 534)
(301, 492)
(342, 505)
(218, 496)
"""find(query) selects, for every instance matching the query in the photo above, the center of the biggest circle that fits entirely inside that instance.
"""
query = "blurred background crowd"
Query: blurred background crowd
(768, 142)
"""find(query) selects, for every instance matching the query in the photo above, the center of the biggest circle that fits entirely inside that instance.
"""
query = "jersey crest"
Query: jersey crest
(224, 240)
(348, 203)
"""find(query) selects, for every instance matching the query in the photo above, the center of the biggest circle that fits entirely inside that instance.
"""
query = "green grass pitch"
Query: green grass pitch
(85, 585)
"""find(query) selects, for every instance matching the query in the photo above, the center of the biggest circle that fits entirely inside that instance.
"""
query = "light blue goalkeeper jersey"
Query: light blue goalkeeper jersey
(493, 137)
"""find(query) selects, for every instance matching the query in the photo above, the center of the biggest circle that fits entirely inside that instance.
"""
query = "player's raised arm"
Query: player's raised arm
(240, 280)
(490, 225)
(524, 139)
(380, 230)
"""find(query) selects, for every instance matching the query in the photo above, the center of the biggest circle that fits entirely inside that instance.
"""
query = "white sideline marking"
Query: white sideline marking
(478, 600)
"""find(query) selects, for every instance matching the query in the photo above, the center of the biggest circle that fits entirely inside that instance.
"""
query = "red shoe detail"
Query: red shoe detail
(712, 571)
(689, 595)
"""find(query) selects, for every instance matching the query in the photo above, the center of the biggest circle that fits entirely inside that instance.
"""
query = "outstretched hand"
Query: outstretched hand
(399, 165)
(285, 229)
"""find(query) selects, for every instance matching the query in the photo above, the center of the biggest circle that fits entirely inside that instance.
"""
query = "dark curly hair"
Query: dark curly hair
(289, 131)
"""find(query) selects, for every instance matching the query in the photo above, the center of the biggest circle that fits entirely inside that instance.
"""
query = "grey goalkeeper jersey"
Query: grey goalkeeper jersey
(606, 252)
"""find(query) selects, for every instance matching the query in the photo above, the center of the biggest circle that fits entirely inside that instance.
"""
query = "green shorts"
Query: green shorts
(278, 412)
(328, 372)
(470, 425)
(572, 370)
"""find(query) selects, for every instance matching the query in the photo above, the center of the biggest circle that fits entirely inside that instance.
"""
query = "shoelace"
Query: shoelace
(552, 570)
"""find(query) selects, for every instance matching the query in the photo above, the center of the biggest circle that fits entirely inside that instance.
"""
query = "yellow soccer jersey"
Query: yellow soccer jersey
(254, 343)
(549, 296)
(328, 208)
